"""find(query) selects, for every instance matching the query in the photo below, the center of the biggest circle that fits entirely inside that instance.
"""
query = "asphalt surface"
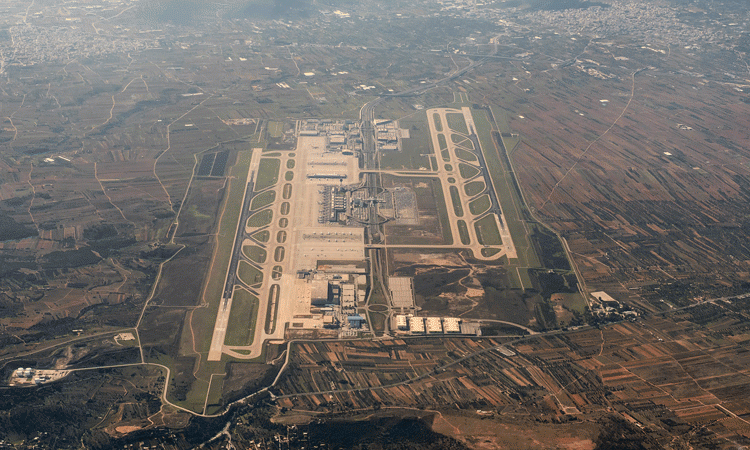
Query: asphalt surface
(239, 238)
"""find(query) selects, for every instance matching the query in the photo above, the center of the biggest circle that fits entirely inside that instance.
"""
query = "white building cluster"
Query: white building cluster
(408, 323)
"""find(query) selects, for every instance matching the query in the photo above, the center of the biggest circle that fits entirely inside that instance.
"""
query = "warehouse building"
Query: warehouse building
(402, 322)
(452, 325)
(434, 325)
(416, 324)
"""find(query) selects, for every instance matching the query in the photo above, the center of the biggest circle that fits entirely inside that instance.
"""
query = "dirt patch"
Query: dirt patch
(493, 433)
(456, 288)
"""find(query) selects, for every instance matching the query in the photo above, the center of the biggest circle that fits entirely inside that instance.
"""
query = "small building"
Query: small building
(402, 322)
(605, 299)
(337, 139)
(330, 322)
(452, 325)
(416, 325)
(434, 325)
(356, 321)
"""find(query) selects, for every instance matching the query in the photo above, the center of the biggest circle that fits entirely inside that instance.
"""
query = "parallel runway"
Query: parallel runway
(222, 318)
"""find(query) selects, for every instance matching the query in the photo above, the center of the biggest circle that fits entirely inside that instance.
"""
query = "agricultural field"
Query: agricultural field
(242, 322)
(667, 380)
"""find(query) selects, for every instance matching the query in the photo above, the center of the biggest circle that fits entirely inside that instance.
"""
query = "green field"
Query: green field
(377, 297)
(285, 208)
(290, 164)
(262, 236)
(260, 219)
(275, 129)
(263, 199)
(474, 188)
(249, 274)
(456, 199)
(467, 171)
(442, 209)
(268, 173)
(463, 232)
(489, 252)
(289, 175)
(480, 205)
(466, 155)
(255, 253)
(213, 405)
(241, 325)
(574, 302)
(457, 138)
(511, 143)
(525, 277)
(286, 194)
(456, 122)
(378, 323)
(415, 150)
(487, 232)
(438, 122)
(441, 141)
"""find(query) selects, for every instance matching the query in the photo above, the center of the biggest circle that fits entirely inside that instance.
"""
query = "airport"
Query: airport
(321, 224)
